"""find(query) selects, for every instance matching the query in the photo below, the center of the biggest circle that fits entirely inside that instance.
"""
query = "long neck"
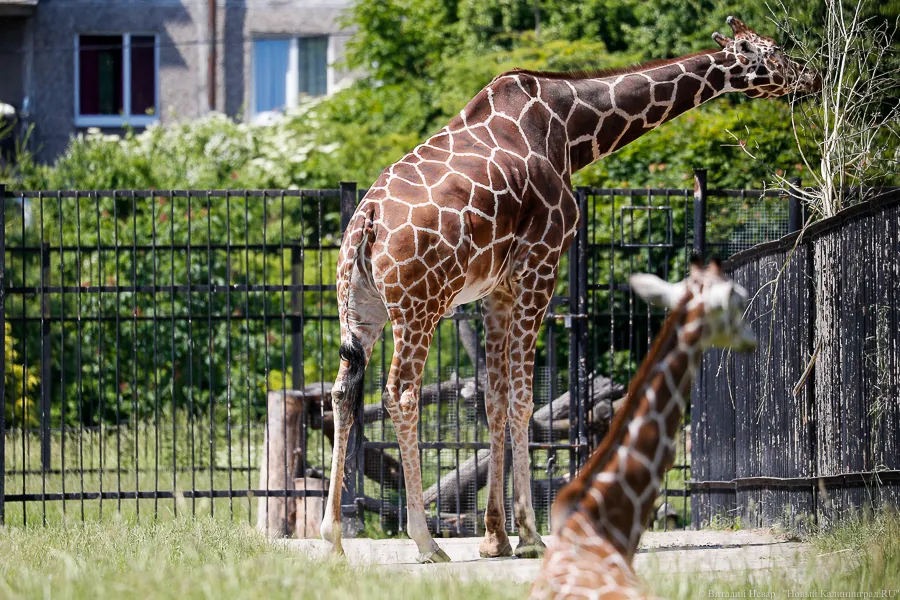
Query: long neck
(612, 111)
(612, 496)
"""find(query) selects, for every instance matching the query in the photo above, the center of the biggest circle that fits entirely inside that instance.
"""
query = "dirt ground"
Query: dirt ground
(662, 552)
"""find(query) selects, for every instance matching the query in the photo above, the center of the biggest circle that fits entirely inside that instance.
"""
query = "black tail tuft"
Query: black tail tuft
(352, 352)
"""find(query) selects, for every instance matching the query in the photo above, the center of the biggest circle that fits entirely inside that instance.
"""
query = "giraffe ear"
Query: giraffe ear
(657, 292)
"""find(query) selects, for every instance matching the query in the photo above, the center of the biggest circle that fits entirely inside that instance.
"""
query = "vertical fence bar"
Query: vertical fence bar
(572, 325)
(45, 357)
(700, 211)
(353, 469)
(3, 354)
(582, 323)
(795, 206)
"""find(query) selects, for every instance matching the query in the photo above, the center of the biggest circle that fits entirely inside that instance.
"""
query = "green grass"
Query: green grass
(205, 558)
(861, 555)
(185, 559)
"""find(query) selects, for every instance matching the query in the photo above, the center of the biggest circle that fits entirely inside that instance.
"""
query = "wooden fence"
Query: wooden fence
(807, 428)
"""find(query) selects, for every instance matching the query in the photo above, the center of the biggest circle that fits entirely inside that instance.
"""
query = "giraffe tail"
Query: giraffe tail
(352, 352)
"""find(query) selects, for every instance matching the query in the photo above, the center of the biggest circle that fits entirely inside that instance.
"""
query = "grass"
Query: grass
(860, 558)
(185, 559)
(203, 558)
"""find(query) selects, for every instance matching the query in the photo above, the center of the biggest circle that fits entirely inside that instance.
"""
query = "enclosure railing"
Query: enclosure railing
(804, 431)
(148, 334)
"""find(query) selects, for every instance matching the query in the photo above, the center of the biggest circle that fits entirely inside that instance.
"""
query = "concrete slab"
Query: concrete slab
(660, 553)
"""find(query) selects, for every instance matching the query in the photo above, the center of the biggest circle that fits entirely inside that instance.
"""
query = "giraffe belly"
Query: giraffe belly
(474, 290)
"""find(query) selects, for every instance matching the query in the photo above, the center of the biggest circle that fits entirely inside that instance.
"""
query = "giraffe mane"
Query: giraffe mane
(601, 73)
(573, 492)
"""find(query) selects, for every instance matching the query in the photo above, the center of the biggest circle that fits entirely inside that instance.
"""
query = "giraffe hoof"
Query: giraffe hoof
(533, 550)
(435, 556)
(490, 553)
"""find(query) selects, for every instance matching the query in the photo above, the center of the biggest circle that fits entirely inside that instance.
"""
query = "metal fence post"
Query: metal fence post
(45, 357)
(2, 354)
(795, 206)
(351, 512)
(582, 322)
(572, 325)
(700, 212)
(348, 203)
(297, 378)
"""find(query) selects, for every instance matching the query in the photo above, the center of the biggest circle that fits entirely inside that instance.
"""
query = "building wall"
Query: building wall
(181, 27)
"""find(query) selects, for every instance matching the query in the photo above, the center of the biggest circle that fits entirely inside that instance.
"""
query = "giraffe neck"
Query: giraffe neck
(611, 499)
(613, 111)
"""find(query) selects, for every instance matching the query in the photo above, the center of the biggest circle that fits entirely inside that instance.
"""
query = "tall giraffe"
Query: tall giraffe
(598, 518)
(483, 210)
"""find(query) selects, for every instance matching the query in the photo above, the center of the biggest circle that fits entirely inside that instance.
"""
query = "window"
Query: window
(116, 80)
(286, 69)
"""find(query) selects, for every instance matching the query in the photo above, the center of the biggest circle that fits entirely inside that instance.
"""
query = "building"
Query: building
(67, 65)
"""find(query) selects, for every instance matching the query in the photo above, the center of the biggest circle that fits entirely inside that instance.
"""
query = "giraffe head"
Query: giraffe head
(723, 303)
(761, 62)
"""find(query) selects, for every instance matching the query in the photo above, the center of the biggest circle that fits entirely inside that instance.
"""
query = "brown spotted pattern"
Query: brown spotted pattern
(600, 516)
(484, 209)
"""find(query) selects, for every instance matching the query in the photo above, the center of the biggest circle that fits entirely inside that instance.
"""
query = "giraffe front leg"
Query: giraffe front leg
(401, 399)
(497, 309)
(526, 323)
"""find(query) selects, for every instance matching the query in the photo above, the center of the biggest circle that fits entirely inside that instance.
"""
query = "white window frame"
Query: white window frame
(292, 91)
(126, 119)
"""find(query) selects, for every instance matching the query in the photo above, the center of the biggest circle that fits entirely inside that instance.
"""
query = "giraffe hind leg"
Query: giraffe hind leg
(361, 326)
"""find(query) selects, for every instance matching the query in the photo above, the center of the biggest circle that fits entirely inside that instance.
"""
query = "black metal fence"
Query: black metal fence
(807, 428)
(143, 331)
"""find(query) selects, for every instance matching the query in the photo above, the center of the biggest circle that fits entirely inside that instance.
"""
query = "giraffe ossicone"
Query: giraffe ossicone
(599, 517)
(484, 209)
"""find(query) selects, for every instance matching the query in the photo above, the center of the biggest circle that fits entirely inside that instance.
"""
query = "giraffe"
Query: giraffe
(484, 209)
(598, 518)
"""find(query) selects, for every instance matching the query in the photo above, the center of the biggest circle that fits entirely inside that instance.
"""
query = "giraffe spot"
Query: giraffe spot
(474, 168)
(559, 96)
(509, 136)
(583, 119)
(431, 173)
(716, 78)
(439, 141)
(431, 153)
(633, 130)
(534, 125)
(483, 135)
(497, 177)
(478, 110)
(426, 215)
(529, 84)
(465, 142)
(609, 131)
(394, 215)
(509, 98)
(655, 114)
(663, 92)
(398, 188)
(687, 90)
(557, 146)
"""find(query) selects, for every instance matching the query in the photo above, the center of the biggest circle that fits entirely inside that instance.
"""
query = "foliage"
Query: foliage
(21, 385)
(424, 60)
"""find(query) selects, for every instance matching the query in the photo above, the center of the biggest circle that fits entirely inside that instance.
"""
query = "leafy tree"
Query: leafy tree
(21, 384)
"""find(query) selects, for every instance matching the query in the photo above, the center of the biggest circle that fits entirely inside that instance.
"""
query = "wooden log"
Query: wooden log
(470, 477)
(309, 509)
(275, 516)
(606, 397)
